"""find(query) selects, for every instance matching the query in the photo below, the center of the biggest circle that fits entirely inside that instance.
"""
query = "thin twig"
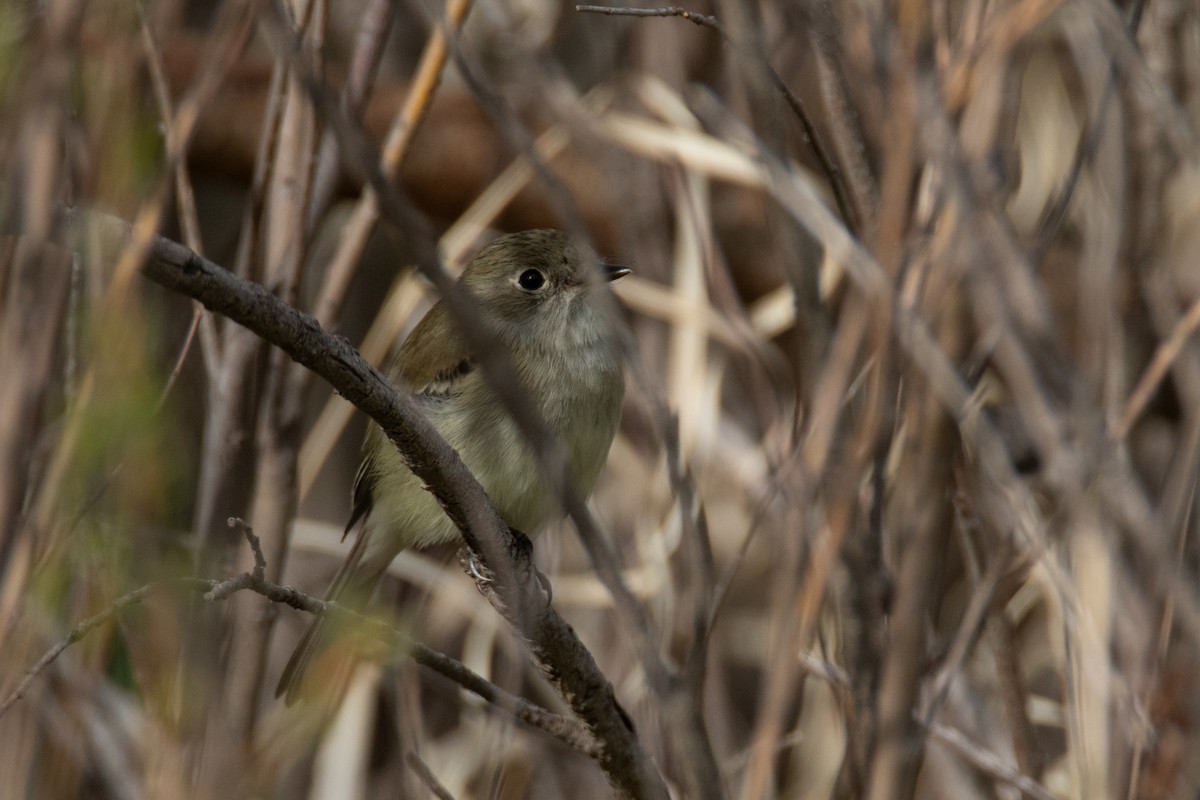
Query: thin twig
(667, 11)
(81, 629)
(426, 774)
(562, 728)
(260, 561)
(1163, 358)
(987, 762)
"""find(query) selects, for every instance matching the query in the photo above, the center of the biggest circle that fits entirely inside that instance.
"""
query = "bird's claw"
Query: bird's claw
(476, 569)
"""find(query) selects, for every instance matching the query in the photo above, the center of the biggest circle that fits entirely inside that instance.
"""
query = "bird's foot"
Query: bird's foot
(476, 569)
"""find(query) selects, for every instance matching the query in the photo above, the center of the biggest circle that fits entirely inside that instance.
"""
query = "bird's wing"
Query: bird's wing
(433, 357)
(348, 584)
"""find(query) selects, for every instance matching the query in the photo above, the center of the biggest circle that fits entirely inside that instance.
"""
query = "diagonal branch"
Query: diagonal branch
(561, 655)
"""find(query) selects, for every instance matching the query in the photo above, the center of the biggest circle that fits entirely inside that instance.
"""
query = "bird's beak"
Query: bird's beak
(614, 271)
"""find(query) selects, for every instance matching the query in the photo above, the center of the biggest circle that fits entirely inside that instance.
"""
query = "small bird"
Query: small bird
(539, 295)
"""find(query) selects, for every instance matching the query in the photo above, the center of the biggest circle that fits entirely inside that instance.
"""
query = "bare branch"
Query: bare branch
(536, 717)
(558, 650)
(260, 561)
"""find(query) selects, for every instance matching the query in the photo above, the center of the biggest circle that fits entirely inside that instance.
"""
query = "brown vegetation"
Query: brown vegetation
(903, 500)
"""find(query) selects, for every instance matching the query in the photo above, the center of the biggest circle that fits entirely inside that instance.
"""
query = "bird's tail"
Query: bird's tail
(290, 682)
(352, 586)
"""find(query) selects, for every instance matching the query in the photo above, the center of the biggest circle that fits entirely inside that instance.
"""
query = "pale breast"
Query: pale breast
(581, 408)
(579, 399)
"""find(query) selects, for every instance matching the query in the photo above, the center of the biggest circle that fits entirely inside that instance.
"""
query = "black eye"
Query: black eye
(531, 280)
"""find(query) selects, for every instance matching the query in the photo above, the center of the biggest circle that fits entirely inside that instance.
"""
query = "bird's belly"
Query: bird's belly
(582, 417)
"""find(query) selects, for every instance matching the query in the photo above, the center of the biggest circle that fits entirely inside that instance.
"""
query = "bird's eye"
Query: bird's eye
(531, 280)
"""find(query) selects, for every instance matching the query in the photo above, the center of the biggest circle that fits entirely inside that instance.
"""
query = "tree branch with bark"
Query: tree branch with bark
(514, 589)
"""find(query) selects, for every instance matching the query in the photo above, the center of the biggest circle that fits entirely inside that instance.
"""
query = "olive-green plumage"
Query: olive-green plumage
(538, 294)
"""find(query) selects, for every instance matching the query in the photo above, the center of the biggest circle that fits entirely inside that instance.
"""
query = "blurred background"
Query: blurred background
(906, 474)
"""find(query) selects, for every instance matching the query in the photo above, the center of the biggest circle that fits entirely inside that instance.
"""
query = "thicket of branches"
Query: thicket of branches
(902, 503)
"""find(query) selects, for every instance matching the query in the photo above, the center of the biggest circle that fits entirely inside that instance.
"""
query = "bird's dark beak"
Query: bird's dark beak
(613, 271)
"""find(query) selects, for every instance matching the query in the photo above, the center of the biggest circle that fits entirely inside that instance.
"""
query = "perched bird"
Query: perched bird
(539, 295)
